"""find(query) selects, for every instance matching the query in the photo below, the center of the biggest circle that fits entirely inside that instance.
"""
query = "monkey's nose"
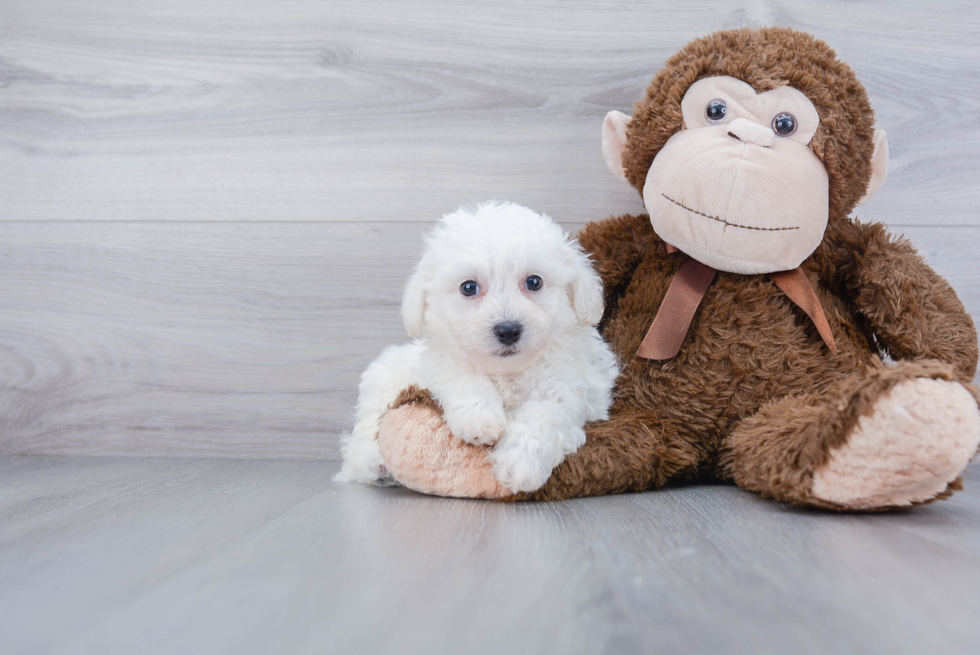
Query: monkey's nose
(507, 333)
(748, 132)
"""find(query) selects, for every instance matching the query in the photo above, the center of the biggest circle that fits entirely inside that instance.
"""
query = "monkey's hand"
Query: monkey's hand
(915, 314)
(616, 246)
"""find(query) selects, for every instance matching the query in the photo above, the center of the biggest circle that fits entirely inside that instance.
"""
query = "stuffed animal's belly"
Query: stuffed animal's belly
(748, 343)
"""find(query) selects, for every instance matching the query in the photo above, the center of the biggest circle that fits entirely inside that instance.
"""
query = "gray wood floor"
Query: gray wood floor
(127, 555)
(207, 213)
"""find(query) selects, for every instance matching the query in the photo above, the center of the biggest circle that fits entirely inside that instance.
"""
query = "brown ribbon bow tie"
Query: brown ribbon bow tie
(691, 282)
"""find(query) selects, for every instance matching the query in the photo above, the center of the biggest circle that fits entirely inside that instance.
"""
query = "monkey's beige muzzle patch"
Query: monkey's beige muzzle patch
(736, 205)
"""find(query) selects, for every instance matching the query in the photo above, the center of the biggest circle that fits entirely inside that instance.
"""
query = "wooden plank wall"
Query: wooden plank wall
(208, 208)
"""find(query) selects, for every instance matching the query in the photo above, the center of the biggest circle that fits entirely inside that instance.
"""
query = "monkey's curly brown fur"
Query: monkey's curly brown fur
(754, 395)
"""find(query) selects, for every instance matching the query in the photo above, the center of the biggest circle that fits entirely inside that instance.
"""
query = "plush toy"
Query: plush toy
(749, 313)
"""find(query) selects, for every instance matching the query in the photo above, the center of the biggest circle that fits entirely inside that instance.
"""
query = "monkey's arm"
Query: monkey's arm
(914, 312)
(616, 246)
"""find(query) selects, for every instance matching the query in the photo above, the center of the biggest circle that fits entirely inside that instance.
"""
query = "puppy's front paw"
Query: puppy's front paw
(481, 424)
(522, 461)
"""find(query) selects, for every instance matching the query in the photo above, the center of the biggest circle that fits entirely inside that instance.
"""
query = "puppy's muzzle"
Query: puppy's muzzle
(507, 333)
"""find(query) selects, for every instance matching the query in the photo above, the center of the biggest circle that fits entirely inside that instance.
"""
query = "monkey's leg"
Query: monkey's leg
(630, 452)
(893, 436)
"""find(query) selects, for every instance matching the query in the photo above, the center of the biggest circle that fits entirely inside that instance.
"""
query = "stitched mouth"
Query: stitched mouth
(722, 220)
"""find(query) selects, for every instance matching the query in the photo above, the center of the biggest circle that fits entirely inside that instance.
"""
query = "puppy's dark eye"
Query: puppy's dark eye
(784, 124)
(716, 111)
(469, 288)
(533, 283)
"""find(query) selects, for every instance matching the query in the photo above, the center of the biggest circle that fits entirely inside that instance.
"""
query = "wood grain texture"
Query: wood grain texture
(221, 339)
(207, 213)
(193, 338)
(377, 111)
(102, 555)
(208, 209)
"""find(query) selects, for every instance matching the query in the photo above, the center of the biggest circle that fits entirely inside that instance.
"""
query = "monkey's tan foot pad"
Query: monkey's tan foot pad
(421, 453)
(919, 438)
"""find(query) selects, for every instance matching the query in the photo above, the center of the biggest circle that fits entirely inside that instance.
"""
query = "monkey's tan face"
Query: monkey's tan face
(738, 188)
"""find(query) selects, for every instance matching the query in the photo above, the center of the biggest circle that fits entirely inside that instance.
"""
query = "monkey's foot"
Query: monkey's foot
(421, 453)
(918, 439)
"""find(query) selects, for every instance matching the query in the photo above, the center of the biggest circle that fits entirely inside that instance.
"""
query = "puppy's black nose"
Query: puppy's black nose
(507, 333)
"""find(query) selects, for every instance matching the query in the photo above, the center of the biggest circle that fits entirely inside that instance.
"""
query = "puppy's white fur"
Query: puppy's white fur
(531, 398)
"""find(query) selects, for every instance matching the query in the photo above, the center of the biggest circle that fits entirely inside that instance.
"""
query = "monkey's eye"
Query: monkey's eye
(533, 283)
(784, 124)
(469, 288)
(716, 111)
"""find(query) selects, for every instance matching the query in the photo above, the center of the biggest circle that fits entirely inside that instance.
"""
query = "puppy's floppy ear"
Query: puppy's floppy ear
(413, 301)
(585, 291)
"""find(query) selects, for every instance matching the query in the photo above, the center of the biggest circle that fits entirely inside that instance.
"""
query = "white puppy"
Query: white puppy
(504, 305)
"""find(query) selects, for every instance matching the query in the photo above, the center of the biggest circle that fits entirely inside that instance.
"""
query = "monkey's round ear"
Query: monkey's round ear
(614, 141)
(413, 303)
(879, 166)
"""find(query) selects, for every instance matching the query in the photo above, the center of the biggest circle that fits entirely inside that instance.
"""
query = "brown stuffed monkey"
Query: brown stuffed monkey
(749, 313)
